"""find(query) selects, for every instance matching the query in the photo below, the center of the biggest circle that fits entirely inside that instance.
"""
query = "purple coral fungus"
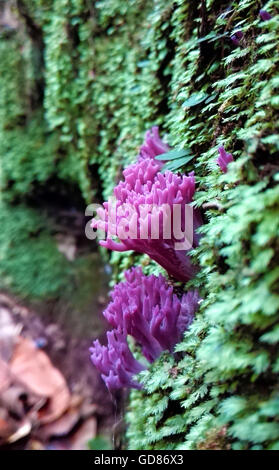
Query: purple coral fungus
(265, 16)
(151, 213)
(236, 37)
(116, 362)
(146, 308)
(153, 144)
(224, 159)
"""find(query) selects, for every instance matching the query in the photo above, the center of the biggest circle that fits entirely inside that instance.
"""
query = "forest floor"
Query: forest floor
(51, 397)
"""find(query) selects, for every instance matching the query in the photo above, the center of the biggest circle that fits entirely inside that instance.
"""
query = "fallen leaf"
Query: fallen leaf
(61, 426)
(33, 368)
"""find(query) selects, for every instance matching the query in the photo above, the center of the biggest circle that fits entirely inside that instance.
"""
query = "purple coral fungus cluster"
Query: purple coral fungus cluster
(149, 215)
(146, 308)
(152, 213)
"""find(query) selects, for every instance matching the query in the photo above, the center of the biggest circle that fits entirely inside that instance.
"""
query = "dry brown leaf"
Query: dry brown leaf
(32, 367)
(61, 426)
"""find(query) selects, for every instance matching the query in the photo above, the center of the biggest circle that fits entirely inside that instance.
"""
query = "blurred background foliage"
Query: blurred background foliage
(80, 82)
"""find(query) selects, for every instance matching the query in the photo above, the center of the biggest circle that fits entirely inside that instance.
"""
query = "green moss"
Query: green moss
(228, 373)
(112, 69)
(31, 264)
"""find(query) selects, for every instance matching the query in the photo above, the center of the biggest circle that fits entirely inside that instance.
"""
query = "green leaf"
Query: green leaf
(211, 98)
(195, 99)
(212, 37)
(178, 163)
(173, 154)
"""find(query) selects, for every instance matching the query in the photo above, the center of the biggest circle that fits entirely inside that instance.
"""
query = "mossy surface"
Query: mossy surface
(111, 70)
